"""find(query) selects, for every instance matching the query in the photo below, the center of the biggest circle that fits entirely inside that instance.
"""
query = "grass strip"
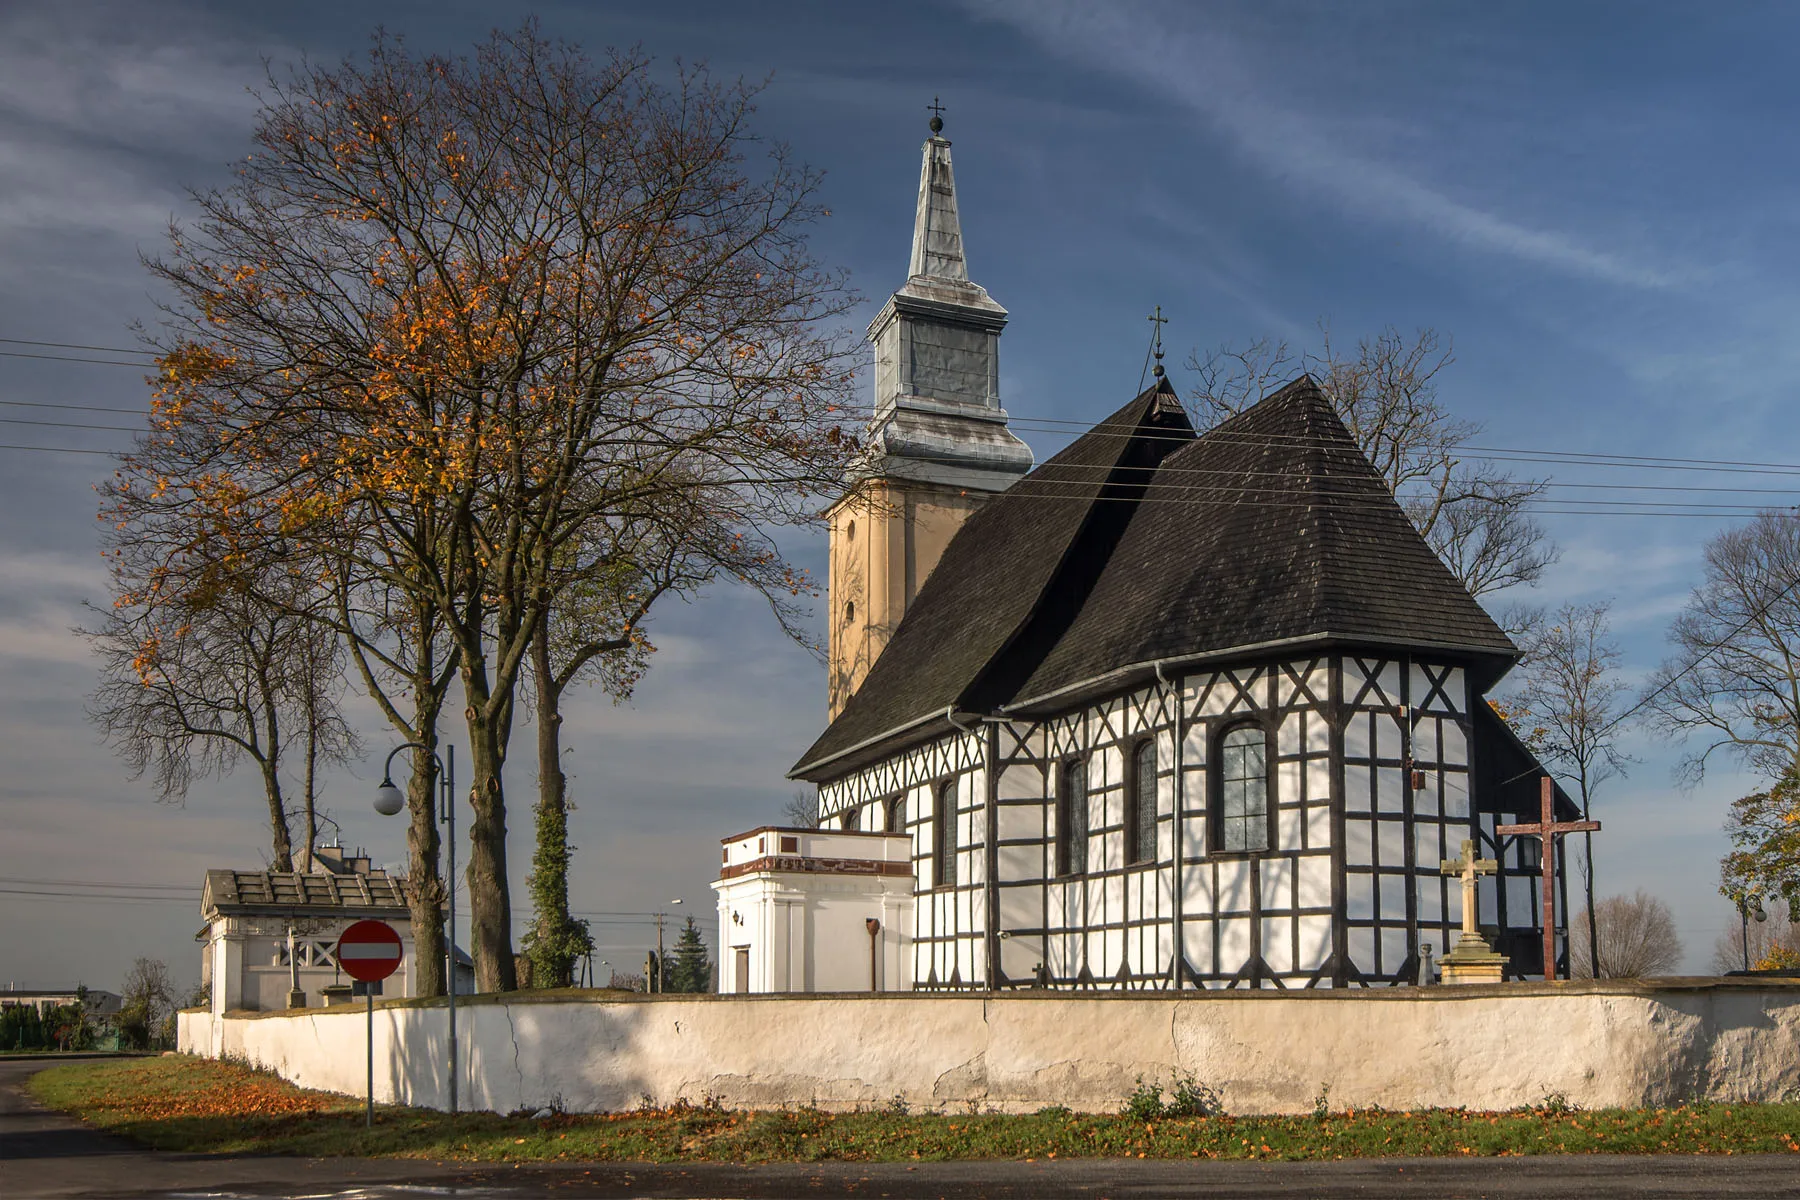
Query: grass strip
(199, 1105)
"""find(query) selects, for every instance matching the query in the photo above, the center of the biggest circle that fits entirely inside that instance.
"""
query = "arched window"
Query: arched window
(896, 814)
(1242, 801)
(853, 817)
(1072, 819)
(943, 853)
(1140, 831)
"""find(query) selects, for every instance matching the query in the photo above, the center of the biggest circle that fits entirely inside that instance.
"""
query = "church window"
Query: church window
(896, 814)
(850, 530)
(849, 610)
(1243, 790)
(1072, 819)
(1140, 828)
(944, 836)
(853, 817)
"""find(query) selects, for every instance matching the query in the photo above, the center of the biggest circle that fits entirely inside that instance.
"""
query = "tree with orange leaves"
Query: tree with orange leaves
(458, 318)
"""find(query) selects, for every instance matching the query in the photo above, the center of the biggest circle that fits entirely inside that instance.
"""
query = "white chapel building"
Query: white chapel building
(1173, 709)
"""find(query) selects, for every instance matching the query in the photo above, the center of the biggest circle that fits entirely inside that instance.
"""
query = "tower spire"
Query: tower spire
(937, 247)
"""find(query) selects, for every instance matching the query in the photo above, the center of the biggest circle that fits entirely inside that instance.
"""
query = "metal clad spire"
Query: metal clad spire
(937, 249)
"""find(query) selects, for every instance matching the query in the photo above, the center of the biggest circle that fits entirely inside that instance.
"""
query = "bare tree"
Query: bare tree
(1475, 515)
(802, 809)
(453, 313)
(1734, 679)
(1636, 938)
(1567, 709)
(1774, 941)
(194, 683)
(148, 997)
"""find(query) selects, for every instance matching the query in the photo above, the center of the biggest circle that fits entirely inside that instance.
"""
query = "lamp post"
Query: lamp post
(389, 801)
(1750, 906)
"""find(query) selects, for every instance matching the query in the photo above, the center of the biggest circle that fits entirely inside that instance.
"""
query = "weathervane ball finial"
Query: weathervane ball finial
(937, 116)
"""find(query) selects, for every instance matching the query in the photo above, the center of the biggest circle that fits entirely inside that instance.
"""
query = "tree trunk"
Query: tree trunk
(490, 900)
(310, 815)
(552, 955)
(282, 840)
(425, 890)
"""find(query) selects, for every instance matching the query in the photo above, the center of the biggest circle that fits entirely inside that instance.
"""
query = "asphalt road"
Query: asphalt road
(45, 1156)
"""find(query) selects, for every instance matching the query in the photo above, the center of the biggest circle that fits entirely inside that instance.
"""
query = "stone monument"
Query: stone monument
(1472, 960)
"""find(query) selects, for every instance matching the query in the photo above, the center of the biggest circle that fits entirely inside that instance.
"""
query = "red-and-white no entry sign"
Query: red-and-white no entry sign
(369, 950)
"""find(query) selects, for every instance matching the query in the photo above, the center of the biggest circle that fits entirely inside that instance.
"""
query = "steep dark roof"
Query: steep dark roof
(1141, 543)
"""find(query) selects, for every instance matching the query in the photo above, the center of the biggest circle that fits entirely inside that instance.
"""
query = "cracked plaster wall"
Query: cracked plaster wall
(1598, 1044)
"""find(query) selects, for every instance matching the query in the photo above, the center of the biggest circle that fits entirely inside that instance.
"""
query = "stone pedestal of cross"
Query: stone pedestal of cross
(1546, 829)
(1472, 960)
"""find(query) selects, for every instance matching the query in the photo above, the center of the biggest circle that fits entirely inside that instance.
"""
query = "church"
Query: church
(1173, 709)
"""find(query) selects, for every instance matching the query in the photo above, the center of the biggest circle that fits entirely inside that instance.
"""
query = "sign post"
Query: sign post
(369, 951)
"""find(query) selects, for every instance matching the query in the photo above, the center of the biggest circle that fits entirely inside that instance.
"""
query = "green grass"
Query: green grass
(197, 1105)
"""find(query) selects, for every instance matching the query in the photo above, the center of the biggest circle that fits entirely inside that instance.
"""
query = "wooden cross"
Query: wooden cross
(1546, 829)
(1468, 866)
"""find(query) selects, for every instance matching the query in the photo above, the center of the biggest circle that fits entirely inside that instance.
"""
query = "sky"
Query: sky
(1596, 203)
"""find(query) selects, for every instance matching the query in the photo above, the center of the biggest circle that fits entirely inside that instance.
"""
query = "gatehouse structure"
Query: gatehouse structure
(1174, 709)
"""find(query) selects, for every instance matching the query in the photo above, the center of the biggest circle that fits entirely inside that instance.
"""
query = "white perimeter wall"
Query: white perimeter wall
(1598, 1044)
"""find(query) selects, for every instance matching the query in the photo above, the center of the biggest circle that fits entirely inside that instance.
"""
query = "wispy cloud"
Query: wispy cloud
(1204, 71)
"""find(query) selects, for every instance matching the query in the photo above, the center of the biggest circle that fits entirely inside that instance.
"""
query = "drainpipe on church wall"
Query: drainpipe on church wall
(1172, 689)
(874, 928)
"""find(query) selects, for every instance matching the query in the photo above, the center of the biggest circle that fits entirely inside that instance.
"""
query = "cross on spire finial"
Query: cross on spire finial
(1157, 321)
(937, 115)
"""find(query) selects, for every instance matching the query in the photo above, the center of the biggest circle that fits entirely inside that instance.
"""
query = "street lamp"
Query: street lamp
(1750, 906)
(389, 801)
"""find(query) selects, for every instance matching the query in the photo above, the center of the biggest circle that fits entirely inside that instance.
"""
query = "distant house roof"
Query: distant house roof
(285, 893)
(1143, 542)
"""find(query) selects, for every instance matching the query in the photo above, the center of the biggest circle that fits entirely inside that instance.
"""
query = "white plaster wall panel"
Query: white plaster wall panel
(1359, 897)
(1278, 945)
(1390, 790)
(1312, 882)
(1196, 890)
(1234, 944)
(1277, 883)
(1454, 743)
(1431, 903)
(1290, 829)
(1234, 885)
(1022, 781)
(1359, 843)
(1314, 942)
(1393, 950)
(1362, 948)
(1390, 840)
(1455, 796)
(1357, 786)
(1318, 827)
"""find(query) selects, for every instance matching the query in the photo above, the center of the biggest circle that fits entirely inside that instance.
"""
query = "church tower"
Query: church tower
(938, 445)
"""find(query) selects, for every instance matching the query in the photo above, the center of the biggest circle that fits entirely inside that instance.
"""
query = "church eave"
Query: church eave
(901, 737)
(1126, 677)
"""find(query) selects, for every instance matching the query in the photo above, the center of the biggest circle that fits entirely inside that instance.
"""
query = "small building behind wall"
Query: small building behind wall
(812, 910)
(271, 932)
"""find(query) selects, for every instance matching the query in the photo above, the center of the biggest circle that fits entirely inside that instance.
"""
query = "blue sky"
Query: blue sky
(1597, 203)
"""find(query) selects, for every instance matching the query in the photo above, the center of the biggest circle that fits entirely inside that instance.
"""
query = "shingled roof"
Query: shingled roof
(286, 893)
(1142, 543)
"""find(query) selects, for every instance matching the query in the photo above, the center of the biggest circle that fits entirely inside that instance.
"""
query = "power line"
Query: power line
(73, 346)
